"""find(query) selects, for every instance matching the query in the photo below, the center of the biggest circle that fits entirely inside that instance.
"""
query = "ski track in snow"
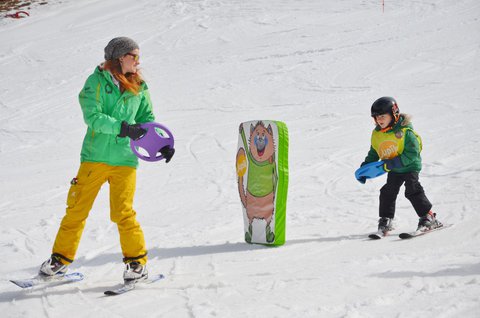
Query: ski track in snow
(210, 65)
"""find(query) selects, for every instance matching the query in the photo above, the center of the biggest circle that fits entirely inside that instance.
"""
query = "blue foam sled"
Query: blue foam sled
(370, 170)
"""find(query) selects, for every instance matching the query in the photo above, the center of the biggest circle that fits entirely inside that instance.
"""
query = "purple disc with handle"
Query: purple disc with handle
(148, 146)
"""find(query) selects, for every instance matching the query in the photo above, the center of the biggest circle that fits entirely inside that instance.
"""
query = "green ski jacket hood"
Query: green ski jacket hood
(104, 108)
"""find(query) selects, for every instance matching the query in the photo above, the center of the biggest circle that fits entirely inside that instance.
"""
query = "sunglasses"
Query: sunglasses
(136, 57)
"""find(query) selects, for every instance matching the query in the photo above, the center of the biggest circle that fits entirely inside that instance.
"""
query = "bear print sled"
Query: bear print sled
(262, 176)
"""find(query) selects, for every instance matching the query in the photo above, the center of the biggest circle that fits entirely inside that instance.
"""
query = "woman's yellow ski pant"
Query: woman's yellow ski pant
(83, 191)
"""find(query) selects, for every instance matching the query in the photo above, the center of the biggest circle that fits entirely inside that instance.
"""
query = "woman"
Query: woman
(114, 101)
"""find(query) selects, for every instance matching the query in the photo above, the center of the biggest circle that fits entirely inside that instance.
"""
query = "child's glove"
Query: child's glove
(362, 180)
(390, 164)
(370, 170)
(133, 131)
(167, 153)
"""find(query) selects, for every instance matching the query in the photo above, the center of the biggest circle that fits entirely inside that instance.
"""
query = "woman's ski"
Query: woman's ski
(129, 286)
(48, 281)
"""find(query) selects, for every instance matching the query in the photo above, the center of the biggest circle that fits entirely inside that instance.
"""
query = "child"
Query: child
(396, 143)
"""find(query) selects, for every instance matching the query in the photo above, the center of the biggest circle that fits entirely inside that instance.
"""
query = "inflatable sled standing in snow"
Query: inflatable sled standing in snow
(262, 175)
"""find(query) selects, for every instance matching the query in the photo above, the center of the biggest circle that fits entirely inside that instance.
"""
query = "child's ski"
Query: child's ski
(46, 280)
(379, 235)
(129, 286)
(405, 236)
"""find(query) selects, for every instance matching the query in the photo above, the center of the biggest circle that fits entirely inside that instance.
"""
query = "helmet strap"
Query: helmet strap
(392, 123)
(396, 117)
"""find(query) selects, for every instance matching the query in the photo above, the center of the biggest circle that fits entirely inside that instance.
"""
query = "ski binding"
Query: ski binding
(379, 235)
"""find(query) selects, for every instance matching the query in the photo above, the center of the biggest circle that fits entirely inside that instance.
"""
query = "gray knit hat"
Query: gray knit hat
(118, 47)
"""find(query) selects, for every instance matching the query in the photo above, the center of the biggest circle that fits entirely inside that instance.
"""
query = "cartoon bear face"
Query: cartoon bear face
(261, 145)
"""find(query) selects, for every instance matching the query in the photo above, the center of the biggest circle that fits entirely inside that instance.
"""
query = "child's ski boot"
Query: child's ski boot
(428, 222)
(385, 225)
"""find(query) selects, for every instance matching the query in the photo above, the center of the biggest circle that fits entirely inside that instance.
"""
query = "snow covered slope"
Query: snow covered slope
(317, 66)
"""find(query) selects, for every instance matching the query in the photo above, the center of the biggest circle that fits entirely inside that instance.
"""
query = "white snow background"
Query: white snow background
(210, 65)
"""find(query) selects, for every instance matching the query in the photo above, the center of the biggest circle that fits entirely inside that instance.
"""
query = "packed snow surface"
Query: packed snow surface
(210, 65)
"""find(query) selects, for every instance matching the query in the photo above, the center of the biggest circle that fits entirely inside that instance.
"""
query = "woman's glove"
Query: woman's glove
(133, 131)
(167, 153)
